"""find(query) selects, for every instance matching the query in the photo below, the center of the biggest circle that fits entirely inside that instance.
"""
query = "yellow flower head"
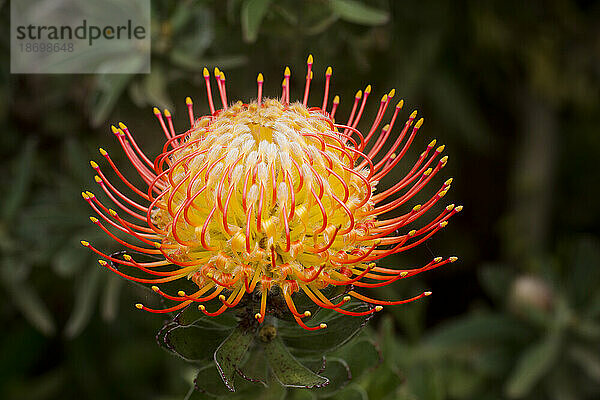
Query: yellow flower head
(272, 195)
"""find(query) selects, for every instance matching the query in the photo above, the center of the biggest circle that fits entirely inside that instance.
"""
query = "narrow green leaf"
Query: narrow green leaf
(252, 14)
(288, 371)
(338, 372)
(230, 353)
(208, 382)
(84, 302)
(20, 182)
(358, 13)
(361, 356)
(533, 364)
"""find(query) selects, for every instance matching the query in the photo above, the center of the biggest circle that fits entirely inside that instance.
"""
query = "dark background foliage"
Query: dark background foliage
(511, 88)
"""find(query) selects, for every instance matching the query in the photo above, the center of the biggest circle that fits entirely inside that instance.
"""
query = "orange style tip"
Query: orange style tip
(114, 129)
(205, 72)
(201, 307)
(323, 325)
(413, 115)
(155, 288)
(188, 100)
(437, 259)
(94, 219)
(307, 313)
(156, 111)
(102, 262)
(181, 293)
(139, 306)
(403, 274)
(309, 60)
(441, 148)
(127, 257)
(384, 98)
(167, 113)
(287, 71)
(450, 207)
(392, 93)
(419, 123)
(84, 195)
(258, 315)
(416, 208)
(329, 71)
(222, 297)
(260, 78)
(347, 298)
(459, 208)
(453, 259)
(103, 152)
(93, 164)
(443, 224)
(427, 293)
(412, 233)
(368, 89)
(122, 125)
(427, 172)
(358, 94)
(84, 243)
(336, 100)
(378, 308)
(112, 212)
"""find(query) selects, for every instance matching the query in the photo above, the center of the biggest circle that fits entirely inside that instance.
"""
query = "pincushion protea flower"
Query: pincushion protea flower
(272, 194)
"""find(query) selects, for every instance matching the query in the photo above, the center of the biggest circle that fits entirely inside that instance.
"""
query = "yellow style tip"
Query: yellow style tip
(98, 179)
(443, 224)
(416, 208)
(383, 98)
(329, 71)
(84, 243)
(419, 123)
(448, 181)
(444, 159)
(122, 125)
(84, 195)
(188, 100)
(222, 75)
(400, 104)
(336, 100)
(112, 212)
(386, 127)
(205, 72)
(217, 72)
(323, 325)
(392, 93)
(368, 89)
(413, 115)
(201, 307)
(258, 315)
(412, 233)
(440, 148)
(94, 219)
(378, 308)
(127, 257)
(222, 297)
(139, 306)
(450, 207)
(453, 259)
(94, 164)
(287, 71)
(459, 208)
(156, 111)
(103, 152)
(403, 274)
(427, 171)
(310, 59)
(427, 293)
(167, 113)
(155, 288)
(347, 298)
(307, 313)
(103, 263)
(358, 94)
(260, 78)
(114, 129)
(432, 143)
(181, 293)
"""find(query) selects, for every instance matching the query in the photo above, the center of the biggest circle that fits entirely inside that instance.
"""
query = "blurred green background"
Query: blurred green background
(513, 90)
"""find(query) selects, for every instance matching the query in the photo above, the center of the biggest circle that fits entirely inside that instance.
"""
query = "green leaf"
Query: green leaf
(361, 356)
(194, 343)
(20, 182)
(288, 371)
(352, 392)
(252, 14)
(84, 303)
(230, 353)
(339, 375)
(533, 364)
(340, 329)
(209, 382)
(358, 13)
